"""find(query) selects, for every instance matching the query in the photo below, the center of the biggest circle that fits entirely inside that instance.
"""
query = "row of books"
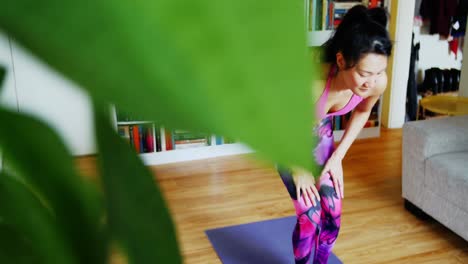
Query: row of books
(148, 138)
(328, 14)
(143, 138)
(181, 139)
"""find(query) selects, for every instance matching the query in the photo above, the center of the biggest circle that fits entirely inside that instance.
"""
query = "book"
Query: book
(219, 140)
(124, 132)
(372, 123)
(136, 138)
(169, 140)
(157, 134)
(130, 128)
(330, 15)
(189, 145)
(338, 123)
(182, 134)
(190, 141)
(311, 17)
(141, 135)
(324, 14)
(318, 14)
(149, 139)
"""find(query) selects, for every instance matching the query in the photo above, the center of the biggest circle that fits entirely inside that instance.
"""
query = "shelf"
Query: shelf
(122, 123)
(171, 156)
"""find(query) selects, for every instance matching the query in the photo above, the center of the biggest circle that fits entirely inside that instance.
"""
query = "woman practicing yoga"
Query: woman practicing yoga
(354, 77)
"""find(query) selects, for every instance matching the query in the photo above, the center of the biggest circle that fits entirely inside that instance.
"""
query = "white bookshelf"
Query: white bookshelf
(198, 153)
(179, 155)
(134, 122)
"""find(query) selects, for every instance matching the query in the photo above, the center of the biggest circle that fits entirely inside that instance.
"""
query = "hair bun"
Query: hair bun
(379, 15)
(361, 31)
(357, 13)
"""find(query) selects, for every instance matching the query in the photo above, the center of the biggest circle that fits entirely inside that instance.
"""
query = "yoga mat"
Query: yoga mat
(260, 242)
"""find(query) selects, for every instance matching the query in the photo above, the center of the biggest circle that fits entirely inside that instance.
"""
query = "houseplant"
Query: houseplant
(237, 69)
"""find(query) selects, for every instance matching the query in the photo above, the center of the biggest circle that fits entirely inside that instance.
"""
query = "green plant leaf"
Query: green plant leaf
(138, 216)
(39, 157)
(16, 248)
(2, 76)
(28, 230)
(234, 68)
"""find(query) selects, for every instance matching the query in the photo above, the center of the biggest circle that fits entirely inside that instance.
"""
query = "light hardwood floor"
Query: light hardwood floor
(238, 189)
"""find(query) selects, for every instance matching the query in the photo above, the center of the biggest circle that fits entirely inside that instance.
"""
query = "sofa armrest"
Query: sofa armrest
(427, 138)
(422, 140)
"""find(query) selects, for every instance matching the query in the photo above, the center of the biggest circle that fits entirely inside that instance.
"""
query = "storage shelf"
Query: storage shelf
(133, 122)
(171, 156)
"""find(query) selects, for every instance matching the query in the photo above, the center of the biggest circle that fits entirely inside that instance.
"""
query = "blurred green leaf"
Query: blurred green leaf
(2, 76)
(234, 68)
(35, 153)
(138, 216)
(29, 233)
(15, 248)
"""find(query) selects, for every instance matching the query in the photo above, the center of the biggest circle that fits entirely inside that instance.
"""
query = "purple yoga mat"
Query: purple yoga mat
(256, 243)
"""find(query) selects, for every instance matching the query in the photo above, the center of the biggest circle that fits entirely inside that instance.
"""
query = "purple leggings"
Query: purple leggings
(317, 227)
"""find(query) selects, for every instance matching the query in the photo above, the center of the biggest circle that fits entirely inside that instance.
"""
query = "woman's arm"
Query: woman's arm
(358, 120)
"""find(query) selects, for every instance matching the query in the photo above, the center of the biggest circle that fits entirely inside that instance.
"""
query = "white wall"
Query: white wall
(47, 95)
(434, 52)
(401, 57)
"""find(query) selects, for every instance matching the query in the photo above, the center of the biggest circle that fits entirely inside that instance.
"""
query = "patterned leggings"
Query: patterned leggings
(317, 226)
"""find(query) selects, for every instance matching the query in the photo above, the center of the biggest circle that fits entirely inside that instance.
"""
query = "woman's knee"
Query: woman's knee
(302, 208)
(330, 201)
(307, 225)
(310, 215)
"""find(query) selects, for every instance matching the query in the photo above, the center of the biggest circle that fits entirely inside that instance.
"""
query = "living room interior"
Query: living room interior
(405, 176)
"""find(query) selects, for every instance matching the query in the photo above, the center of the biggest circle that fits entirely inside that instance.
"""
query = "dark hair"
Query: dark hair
(360, 32)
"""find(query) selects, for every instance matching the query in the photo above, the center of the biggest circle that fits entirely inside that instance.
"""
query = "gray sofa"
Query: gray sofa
(435, 170)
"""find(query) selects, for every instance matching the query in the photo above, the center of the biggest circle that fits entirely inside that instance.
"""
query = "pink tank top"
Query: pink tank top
(352, 103)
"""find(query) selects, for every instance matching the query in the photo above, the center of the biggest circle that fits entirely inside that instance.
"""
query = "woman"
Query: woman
(355, 60)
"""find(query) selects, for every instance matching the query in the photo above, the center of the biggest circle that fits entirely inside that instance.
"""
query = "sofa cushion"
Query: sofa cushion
(447, 176)
(426, 138)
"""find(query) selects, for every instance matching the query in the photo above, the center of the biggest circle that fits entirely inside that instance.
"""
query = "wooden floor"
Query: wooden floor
(375, 226)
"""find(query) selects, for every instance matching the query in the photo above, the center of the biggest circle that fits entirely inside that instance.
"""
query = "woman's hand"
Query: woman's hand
(305, 183)
(335, 168)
